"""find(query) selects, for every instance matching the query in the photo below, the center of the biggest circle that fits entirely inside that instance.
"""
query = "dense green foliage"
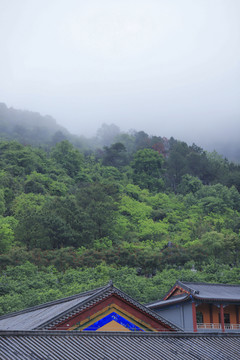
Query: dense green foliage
(141, 210)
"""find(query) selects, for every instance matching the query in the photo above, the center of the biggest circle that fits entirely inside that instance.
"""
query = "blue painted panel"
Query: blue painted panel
(116, 317)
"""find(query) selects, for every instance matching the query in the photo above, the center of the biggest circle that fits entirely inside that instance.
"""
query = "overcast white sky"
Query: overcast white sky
(168, 67)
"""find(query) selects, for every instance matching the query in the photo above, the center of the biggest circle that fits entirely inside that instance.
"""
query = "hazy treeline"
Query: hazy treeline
(31, 128)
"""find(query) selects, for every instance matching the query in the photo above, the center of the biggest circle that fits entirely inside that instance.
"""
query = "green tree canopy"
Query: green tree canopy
(147, 169)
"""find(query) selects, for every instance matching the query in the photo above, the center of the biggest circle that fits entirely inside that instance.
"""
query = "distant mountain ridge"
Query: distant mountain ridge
(27, 126)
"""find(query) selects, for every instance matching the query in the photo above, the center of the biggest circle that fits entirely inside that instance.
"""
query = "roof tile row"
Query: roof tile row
(115, 346)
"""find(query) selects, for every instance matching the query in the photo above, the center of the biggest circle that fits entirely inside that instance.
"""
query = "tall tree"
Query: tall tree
(147, 169)
(68, 157)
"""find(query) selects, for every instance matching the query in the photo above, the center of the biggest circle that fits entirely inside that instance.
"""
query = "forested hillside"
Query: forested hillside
(142, 210)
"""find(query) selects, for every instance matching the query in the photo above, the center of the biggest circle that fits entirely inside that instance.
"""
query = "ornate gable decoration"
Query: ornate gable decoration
(102, 309)
(177, 289)
(113, 313)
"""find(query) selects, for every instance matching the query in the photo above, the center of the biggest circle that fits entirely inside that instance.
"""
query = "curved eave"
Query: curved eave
(168, 303)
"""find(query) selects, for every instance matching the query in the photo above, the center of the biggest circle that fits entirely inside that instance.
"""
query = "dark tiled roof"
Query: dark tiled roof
(209, 291)
(50, 314)
(74, 345)
(31, 318)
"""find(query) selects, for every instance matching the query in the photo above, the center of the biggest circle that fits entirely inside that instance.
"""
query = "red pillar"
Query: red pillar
(211, 313)
(237, 314)
(194, 316)
(222, 317)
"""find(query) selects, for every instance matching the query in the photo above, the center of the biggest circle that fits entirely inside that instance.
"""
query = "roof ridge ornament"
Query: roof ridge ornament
(110, 283)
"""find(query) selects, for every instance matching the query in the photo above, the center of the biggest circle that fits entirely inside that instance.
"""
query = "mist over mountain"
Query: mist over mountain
(32, 128)
(168, 68)
(28, 127)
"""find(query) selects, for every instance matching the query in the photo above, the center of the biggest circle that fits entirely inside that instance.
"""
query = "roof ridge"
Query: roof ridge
(53, 302)
(78, 333)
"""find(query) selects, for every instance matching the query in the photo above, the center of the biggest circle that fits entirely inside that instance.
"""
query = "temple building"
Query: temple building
(201, 307)
(107, 324)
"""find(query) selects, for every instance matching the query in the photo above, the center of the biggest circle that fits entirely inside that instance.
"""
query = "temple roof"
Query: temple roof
(208, 291)
(52, 313)
(73, 345)
(198, 291)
